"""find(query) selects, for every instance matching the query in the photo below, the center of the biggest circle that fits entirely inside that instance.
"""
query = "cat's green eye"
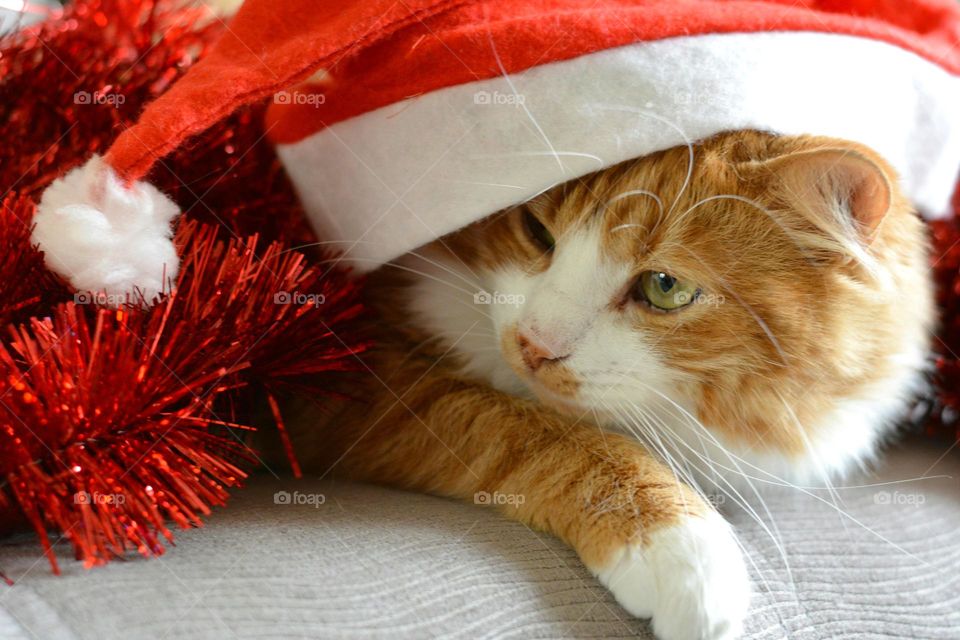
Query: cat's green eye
(665, 292)
(538, 232)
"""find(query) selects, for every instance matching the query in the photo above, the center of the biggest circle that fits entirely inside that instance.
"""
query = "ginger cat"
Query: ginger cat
(596, 361)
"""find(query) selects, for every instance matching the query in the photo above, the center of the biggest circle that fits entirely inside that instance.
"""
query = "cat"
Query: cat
(597, 361)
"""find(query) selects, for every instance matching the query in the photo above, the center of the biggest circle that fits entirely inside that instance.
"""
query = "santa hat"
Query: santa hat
(399, 122)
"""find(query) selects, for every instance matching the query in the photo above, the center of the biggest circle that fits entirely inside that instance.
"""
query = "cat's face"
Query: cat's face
(770, 310)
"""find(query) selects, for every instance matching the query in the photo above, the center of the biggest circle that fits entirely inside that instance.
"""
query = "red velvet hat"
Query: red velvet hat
(399, 122)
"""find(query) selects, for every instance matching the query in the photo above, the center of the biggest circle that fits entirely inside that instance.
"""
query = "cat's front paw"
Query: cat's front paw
(689, 577)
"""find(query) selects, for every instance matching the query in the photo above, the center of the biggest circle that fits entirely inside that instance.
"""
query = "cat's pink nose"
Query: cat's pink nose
(536, 352)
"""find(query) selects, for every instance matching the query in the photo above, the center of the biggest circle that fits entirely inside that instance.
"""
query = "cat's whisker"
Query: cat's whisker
(776, 480)
(633, 192)
(435, 263)
(788, 233)
(487, 184)
(687, 179)
(455, 336)
(537, 154)
(649, 436)
(627, 194)
(631, 225)
(638, 418)
(451, 270)
(319, 243)
(730, 196)
(401, 267)
(541, 192)
(716, 478)
(730, 492)
(749, 309)
(760, 322)
(801, 240)
(468, 305)
(474, 333)
(712, 476)
(739, 501)
(522, 103)
(412, 351)
(814, 455)
(474, 307)
(448, 269)
(751, 357)
(686, 140)
(734, 496)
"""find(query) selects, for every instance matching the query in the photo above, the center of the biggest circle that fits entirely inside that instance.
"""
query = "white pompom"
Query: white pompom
(107, 237)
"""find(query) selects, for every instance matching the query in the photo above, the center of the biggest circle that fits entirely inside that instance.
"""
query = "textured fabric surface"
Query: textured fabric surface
(375, 563)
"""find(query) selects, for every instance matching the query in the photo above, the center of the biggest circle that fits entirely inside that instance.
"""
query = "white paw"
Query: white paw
(105, 236)
(690, 578)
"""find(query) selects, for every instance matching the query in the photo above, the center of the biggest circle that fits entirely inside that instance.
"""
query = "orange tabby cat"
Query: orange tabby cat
(596, 360)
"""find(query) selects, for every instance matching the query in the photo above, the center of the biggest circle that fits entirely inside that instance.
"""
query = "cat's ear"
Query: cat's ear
(840, 190)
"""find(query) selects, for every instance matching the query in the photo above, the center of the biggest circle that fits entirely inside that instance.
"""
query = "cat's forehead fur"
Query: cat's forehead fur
(794, 329)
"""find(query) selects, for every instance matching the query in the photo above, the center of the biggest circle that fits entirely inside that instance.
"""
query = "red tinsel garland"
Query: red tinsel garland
(941, 414)
(114, 422)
